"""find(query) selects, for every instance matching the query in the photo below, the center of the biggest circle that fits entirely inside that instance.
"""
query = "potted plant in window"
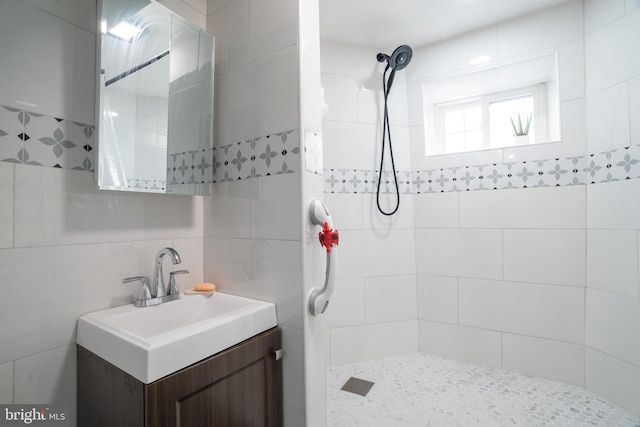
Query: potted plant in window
(521, 130)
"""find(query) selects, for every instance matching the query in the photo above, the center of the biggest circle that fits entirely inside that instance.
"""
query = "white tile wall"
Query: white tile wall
(359, 343)
(600, 13)
(230, 26)
(346, 210)
(562, 207)
(6, 383)
(545, 256)
(437, 210)
(552, 27)
(437, 298)
(634, 109)
(608, 119)
(613, 270)
(6, 205)
(390, 299)
(379, 223)
(463, 343)
(544, 311)
(614, 205)
(611, 45)
(228, 210)
(553, 360)
(571, 70)
(347, 304)
(613, 379)
(65, 86)
(267, 38)
(459, 252)
(612, 325)
(341, 97)
(276, 209)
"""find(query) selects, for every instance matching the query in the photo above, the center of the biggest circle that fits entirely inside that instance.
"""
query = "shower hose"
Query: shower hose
(386, 135)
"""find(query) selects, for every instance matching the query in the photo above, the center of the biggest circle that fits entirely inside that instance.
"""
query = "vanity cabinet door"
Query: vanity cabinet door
(241, 386)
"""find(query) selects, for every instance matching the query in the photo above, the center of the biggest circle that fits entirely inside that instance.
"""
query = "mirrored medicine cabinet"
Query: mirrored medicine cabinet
(155, 90)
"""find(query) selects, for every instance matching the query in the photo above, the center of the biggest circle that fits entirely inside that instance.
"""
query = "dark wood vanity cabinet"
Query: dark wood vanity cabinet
(241, 386)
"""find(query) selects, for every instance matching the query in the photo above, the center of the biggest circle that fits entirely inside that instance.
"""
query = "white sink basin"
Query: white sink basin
(152, 342)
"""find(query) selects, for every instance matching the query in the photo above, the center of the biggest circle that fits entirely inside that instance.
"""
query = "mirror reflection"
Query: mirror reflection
(156, 101)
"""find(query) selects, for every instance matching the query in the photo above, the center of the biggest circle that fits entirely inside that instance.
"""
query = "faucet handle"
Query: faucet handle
(144, 293)
(173, 287)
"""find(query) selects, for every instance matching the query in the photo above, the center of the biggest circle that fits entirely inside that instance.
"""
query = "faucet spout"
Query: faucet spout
(158, 278)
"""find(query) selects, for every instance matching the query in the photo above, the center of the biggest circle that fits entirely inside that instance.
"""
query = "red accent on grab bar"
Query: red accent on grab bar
(328, 237)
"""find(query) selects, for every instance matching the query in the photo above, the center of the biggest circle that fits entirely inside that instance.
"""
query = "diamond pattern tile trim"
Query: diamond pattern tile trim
(614, 165)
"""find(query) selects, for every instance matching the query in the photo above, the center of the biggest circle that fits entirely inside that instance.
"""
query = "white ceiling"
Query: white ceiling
(385, 24)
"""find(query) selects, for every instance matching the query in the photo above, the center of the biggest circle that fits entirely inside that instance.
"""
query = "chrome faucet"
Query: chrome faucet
(158, 278)
(158, 293)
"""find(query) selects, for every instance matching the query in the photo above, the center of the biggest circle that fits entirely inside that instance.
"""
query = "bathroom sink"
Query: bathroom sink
(152, 342)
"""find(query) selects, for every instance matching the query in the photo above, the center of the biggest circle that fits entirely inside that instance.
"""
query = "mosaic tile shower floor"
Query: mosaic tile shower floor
(423, 390)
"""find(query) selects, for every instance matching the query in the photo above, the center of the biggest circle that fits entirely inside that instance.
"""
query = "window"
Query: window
(485, 122)
(472, 109)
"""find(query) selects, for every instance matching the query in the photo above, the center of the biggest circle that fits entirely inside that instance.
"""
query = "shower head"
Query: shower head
(399, 59)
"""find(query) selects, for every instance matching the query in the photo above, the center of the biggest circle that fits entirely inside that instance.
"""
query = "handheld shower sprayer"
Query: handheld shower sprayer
(397, 61)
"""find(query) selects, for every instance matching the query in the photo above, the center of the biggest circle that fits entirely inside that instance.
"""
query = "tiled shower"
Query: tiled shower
(555, 266)
(524, 258)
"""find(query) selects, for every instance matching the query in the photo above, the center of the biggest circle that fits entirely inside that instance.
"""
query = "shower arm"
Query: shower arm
(319, 215)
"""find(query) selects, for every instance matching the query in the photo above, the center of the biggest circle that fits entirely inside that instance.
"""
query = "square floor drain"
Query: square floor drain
(357, 386)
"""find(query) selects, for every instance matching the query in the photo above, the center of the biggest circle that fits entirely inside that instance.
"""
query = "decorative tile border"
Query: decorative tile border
(275, 154)
(614, 165)
(36, 139)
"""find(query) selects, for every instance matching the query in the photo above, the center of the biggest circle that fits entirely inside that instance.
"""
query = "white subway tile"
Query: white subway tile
(461, 343)
(268, 270)
(390, 299)
(612, 325)
(552, 27)
(608, 119)
(545, 256)
(310, 26)
(6, 205)
(273, 27)
(52, 75)
(634, 109)
(348, 59)
(437, 210)
(275, 212)
(228, 212)
(229, 23)
(190, 10)
(553, 360)
(346, 307)
(437, 298)
(315, 363)
(614, 205)
(345, 209)
(6, 383)
(614, 380)
(349, 145)
(82, 14)
(543, 311)
(340, 95)
(556, 207)
(600, 13)
(611, 45)
(377, 222)
(457, 252)
(293, 372)
(380, 254)
(571, 70)
(55, 206)
(213, 5)
(631, 4)
(612, 261)
(48, 377)
(360, 343)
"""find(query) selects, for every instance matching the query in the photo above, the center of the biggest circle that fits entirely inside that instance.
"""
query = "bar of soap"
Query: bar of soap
(204, 287)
